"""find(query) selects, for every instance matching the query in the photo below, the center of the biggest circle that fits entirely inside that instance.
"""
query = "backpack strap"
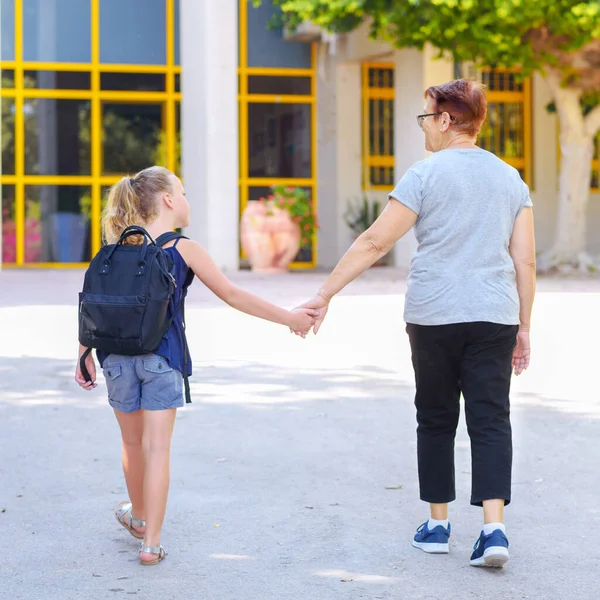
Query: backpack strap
(161, 240)
(181, 305)
(134, 230)
(186, 353)
(83, 368)
(169, 236)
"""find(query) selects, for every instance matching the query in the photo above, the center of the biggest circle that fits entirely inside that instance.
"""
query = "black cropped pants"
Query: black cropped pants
(474, 359)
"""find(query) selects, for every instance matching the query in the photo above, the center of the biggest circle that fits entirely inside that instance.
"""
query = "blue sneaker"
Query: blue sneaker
(434, 541)
(490, 550)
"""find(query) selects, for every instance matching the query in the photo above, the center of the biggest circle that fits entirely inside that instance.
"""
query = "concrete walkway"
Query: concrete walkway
(294, 470)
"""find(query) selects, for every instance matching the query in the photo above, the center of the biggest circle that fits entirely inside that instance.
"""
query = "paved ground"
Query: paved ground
(281, 466)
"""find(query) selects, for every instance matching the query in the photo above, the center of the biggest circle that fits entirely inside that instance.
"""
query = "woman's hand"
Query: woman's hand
(90, 365)
(319, 303)
(301, 320)
(521, 353)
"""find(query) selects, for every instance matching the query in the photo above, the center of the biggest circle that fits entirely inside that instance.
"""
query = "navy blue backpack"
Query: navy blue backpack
(125, 298)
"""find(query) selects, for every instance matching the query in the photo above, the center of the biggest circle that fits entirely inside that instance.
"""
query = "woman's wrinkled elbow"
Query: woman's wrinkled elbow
(375, 247)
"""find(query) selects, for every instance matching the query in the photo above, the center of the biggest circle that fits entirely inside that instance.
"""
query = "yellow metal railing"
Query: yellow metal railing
(507, 129)
(96, 179)
(245, 99)
(378, 125)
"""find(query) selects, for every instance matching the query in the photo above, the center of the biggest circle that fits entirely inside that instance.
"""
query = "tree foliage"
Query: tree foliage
(532, 34)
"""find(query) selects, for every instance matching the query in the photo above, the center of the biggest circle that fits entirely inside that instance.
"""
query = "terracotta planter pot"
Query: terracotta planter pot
(270, 241)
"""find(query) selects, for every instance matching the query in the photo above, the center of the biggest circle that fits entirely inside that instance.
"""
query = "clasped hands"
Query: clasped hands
(309, 315)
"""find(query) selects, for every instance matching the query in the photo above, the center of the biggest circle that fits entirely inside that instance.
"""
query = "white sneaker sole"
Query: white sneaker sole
(432, 548)
(495, 557)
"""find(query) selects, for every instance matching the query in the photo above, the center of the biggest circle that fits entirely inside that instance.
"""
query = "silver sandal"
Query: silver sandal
(124, 517)
(159, 551)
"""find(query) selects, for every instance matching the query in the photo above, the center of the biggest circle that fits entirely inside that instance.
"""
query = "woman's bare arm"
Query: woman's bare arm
(522, 252)
(395, 220)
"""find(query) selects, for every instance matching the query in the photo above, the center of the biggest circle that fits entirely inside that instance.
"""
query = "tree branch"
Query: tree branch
(592, 121)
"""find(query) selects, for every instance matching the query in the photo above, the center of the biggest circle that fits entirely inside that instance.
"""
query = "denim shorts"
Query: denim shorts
(142, 382)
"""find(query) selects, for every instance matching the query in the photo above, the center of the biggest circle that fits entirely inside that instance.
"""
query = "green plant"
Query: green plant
(297, 202)
(361, 215)
(85, 206)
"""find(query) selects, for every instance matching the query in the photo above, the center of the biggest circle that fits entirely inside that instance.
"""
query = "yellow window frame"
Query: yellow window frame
(244, 99)
(524, 97)
(381, 157)
(95, 180)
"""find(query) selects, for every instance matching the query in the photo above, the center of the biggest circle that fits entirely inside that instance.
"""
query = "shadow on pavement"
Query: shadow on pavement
(286, 483)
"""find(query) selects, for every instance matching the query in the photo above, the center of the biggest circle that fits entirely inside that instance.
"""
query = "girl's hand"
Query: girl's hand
(301, 320)
(320, 303)
(90, 365)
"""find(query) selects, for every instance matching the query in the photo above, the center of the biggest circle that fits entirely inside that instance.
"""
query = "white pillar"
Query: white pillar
(209, 130)
(415, 72)
(339, 156)
(349, 159)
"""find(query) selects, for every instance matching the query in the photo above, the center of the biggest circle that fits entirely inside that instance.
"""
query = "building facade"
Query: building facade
(96, 89)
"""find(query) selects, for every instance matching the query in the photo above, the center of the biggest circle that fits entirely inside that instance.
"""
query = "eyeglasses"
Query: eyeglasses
(421, 118)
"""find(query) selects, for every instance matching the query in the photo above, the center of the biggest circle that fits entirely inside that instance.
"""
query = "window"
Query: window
(57, 224)
(7, 30)
(507, 130)
(133, 32)
(277, 112)
(279, 141)
(378, 126)
(80, 109)
(131, 137)
(56, 31)
(8, 136)
(9, 233)
(57, 136)
(266, 48)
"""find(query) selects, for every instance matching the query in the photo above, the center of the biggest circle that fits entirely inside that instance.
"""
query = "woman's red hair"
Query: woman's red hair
(463, 99)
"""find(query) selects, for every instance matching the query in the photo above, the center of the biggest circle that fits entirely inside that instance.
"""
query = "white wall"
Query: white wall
(358, 47)
(339, 145)
(339, 153)
(209, 130)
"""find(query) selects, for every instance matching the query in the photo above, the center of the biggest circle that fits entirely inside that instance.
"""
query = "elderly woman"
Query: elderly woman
(468, 306)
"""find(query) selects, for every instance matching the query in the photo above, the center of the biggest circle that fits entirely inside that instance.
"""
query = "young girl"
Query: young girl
(145, 391)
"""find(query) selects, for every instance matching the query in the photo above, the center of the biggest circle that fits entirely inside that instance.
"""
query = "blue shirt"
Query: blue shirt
(172, 346)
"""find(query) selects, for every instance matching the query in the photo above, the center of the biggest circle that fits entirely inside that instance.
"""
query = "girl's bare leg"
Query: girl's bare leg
(131, 425)
(156, 443)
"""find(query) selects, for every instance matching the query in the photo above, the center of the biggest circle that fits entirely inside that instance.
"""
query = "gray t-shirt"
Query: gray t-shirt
(467, 202)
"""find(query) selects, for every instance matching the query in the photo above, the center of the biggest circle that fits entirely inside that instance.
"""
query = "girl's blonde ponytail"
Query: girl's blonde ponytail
(135, 201)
